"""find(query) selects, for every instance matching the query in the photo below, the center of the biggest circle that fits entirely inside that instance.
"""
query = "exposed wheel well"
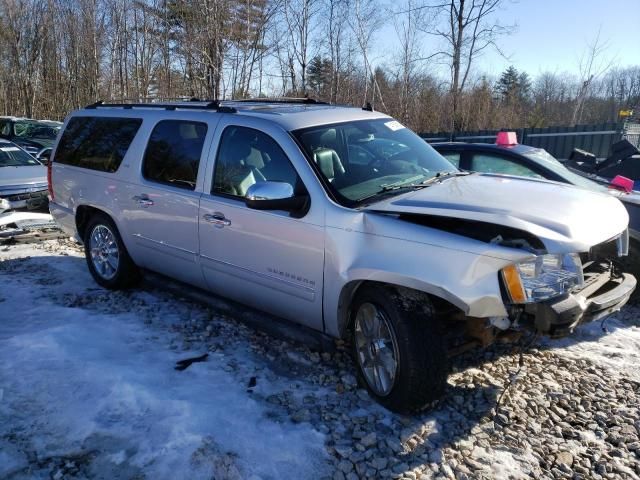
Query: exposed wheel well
(350, 290)
(83, 214)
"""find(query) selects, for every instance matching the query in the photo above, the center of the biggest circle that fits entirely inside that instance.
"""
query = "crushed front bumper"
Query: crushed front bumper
(604, 292)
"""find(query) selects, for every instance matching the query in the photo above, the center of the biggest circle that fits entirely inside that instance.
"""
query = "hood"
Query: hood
(24, 176)
(563, 217)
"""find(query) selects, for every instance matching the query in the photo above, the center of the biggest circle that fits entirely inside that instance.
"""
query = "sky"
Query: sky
(551, 35)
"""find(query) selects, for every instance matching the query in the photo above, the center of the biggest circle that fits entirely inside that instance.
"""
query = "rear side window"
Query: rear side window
(486, 162)
(96, 143)
(173, 153)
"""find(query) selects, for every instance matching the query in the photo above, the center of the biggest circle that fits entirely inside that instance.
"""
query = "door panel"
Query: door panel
(165, 233)
(266, 259)
(161, 208)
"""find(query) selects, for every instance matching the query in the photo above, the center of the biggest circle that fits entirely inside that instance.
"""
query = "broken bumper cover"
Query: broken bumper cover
(604, 293)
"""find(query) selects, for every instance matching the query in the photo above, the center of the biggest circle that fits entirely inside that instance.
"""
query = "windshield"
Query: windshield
(547, 160)
(16, 157)
(32, 129)
(363, 159)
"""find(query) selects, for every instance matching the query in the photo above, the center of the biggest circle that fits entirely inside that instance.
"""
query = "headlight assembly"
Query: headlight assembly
(543, 277)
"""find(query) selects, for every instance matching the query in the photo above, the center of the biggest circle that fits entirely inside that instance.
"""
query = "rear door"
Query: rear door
(161, 206)
(266, 259)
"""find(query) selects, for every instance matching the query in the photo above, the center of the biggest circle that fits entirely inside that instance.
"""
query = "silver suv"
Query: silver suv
(339, 219)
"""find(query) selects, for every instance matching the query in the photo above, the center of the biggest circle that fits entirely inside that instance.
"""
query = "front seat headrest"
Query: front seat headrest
(329, 163)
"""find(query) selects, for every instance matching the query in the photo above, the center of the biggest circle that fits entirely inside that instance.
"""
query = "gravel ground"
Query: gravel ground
(562, 416)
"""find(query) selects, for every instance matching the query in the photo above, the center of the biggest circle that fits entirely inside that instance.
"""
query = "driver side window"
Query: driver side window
(247, 156)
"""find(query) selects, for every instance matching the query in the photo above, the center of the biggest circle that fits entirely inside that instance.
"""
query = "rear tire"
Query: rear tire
(107, 258)
(407, 329)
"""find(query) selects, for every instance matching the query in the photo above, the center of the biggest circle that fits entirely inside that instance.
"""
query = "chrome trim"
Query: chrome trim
(164, 244)
(309, 293)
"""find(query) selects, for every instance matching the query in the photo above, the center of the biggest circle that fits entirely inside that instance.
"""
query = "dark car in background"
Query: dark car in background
(31, 135)
(23, 179)
(624, 160)
(510, 158)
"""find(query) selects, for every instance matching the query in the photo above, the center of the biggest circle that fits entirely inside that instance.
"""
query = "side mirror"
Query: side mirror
(44, 155)
(276, 196)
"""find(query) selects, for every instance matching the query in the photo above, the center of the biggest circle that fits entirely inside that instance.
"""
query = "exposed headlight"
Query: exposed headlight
(543, 277)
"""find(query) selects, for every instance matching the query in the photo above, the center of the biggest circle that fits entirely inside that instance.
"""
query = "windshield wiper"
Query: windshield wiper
(407, 185)
(401, 184)
(442, 175)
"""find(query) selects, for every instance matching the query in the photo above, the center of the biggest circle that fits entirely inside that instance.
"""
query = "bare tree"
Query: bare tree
(338, 11)
(22, 33)
(366, 21)
(592, 65)
(407, 24)
(468, 29)
(300, 17)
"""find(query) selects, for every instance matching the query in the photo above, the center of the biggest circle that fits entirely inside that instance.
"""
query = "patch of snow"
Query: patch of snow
(81, 380)
(507, 464)
(618, 348)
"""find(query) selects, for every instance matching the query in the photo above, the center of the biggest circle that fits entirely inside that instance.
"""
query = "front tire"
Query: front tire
(399, 349)
(107, 258)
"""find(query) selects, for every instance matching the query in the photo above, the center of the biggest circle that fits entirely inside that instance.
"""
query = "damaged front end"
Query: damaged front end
(585, 288)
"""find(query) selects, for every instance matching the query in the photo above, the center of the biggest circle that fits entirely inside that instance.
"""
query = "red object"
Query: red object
(506, 139)
(49, 182)
(622, 183)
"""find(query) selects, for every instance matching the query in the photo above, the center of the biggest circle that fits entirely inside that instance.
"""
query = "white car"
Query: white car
(23, 179)
(339, 219)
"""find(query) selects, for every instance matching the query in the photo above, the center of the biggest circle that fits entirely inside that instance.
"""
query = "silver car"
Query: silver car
(339, 219)
(23, 179)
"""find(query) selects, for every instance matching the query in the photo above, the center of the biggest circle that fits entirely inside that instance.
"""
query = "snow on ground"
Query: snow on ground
(74, 381)
(88, 390)
(617, 346)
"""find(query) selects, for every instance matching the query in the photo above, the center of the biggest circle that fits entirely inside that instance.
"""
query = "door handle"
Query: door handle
(218, 219)
(143, 200)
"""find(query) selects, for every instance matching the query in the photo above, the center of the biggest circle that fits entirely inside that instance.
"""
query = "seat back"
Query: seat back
(329, 163)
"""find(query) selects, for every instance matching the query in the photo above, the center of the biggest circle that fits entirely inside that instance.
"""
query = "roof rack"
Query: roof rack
(286, 100)
(185, 105)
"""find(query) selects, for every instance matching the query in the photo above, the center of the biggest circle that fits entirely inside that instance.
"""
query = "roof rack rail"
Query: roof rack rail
(292, 100)
(186, 105)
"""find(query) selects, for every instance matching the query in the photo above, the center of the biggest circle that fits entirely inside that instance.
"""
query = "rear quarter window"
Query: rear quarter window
(96, 143)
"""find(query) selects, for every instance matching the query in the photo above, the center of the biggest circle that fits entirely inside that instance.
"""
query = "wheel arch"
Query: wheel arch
(442, 302)
(84, 213)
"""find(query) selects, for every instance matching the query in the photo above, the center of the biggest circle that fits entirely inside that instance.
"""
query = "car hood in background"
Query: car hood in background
(27, 176)
(38, 143)
(564, 218)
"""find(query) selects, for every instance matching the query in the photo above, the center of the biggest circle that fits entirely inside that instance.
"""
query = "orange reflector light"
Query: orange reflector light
(513, 284)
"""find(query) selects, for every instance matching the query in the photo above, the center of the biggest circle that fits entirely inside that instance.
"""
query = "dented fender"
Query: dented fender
(368, 246)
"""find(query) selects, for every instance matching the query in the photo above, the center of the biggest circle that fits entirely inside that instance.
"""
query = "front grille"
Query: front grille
(26, 196)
